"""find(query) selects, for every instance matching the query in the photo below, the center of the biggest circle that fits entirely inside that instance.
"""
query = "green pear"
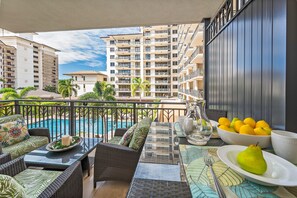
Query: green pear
(233, 122)
(252, 160)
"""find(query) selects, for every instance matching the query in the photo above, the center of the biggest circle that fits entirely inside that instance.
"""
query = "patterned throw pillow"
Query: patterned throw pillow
(9, 187)
(140, 134)
(13, 132)
(127, 137)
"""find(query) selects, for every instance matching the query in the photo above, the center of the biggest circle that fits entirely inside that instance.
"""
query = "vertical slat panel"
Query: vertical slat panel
(279, 64)
(256, 59)
(267, 60)
(235, 68)
(230, 71)
(248, 63)
(241, 44)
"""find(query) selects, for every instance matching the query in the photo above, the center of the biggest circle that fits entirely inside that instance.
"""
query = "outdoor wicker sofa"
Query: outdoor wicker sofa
(38, 137)
(66, 184)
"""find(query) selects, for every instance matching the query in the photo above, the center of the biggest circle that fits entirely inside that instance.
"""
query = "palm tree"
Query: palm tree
(9, 93)
(142, 85)
(102, 91)
(67, 88)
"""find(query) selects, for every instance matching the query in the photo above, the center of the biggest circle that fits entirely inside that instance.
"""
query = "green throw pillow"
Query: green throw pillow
(140, 134)
(9, 187)
(127, 137)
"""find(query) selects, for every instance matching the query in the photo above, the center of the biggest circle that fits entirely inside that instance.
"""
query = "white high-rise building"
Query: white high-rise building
(190, 61)
(35, 64)
(150, 55)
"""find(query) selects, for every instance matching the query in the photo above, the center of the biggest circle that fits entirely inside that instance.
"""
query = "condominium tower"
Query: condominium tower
(150, 55)
(168, 56)
(7, 65)
(190, 61)
(27, 63)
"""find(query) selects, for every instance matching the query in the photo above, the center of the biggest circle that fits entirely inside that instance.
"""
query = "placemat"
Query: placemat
(201, 182)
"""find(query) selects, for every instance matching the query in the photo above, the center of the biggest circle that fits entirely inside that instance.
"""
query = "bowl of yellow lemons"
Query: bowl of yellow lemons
(245, 132)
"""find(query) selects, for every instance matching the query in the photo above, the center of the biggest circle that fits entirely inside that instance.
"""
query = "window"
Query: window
(111, 42)
(137, 49)
(174, 40)
(148, 64)
(137, 57)
(104, 79)
(174, 32)
(75, 78)
(111, 78)
(174, 78)
(174, 47)
(84, 78)
(84, 86)
(137, 41)
(147, 56)
(112, 71)
(111, 56)
(112, 64)
(112, 49)
(174, 86)
(174, 71)
(174, 62)
(174, 55)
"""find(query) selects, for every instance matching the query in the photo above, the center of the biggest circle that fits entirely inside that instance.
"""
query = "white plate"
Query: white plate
(279, 172)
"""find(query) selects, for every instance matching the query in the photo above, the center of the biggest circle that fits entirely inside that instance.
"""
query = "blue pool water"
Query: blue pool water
(59, 127)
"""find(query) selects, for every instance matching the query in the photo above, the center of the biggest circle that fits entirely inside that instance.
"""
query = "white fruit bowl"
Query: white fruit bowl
(284, 144)
(244, 140)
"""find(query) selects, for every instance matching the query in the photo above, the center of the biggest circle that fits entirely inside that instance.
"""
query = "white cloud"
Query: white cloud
(81, 45)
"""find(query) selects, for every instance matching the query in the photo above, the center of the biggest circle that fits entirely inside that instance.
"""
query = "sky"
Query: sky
(81, 49)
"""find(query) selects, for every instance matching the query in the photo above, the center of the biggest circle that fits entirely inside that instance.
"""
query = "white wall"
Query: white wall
(24, 62)
(89, 83)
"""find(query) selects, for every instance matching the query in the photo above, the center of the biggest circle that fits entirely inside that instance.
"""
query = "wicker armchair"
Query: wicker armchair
(115, 162)
(214, 114)
(67, 185)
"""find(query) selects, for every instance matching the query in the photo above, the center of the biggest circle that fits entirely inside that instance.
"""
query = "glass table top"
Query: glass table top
(45, 158)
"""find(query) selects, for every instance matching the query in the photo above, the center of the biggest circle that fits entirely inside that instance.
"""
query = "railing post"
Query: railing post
(17, 107)
(134, 113)
(72, 119)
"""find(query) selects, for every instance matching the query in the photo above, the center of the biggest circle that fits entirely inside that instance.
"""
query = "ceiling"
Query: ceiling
(58, 15)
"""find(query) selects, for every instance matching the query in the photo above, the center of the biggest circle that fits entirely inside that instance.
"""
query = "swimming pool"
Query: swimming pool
(60, 127)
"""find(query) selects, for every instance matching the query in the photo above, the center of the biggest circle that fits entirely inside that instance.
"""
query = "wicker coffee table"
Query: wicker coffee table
(62, 160)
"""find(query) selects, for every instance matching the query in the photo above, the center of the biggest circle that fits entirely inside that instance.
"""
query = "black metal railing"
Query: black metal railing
(225, 14)
(89, 118)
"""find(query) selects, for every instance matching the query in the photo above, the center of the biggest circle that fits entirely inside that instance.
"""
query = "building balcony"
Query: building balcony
(123, 82)
(162, 74)
(162, 90)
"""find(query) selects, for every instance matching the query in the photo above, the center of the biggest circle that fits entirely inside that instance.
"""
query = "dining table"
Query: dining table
(169, 166)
